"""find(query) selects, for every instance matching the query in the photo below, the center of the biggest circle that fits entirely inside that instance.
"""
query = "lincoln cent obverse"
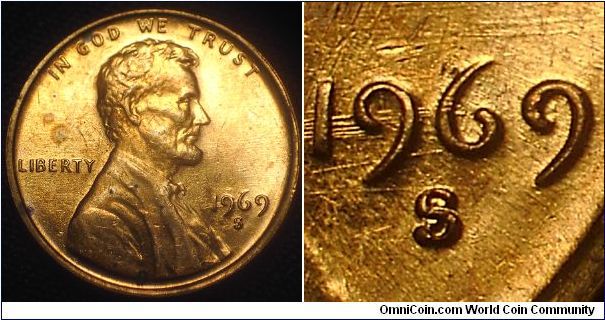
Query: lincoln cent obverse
(153, 152)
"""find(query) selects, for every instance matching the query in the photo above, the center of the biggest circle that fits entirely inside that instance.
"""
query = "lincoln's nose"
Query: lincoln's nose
(200, 117)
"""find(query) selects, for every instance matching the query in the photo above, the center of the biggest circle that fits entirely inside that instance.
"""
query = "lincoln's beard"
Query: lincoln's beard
(181, 151)
(188, 154)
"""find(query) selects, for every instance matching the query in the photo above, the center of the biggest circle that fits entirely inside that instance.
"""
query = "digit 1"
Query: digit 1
(322, 125)
(216, 203)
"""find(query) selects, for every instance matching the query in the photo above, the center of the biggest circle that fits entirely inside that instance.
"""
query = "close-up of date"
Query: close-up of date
(452, 156)
(377, 95)
(230, 205)
(533, 110)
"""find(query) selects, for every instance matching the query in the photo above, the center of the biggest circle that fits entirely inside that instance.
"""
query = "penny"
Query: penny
(453, 151)
(153, 152)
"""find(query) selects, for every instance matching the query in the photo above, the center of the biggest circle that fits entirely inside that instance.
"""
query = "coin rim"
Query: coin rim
(203, 280)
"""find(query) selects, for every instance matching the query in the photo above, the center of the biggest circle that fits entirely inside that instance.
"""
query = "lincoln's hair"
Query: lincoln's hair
(130, 75)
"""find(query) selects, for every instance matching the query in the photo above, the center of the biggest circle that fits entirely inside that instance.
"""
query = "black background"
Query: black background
(29, 31)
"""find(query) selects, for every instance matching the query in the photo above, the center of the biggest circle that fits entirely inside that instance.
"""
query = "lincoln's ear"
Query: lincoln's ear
(135, 118)
(133, 113)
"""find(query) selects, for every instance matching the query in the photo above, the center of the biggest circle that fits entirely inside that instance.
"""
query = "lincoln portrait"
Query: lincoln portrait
(134, 221)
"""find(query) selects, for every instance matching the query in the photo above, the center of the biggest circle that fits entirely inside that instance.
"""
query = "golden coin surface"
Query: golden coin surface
(453, 151)
(153, 152)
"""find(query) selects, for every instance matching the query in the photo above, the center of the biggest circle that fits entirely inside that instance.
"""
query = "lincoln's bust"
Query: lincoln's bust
(132, 222)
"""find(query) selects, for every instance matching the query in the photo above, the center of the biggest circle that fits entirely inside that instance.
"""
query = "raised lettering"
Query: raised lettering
(65, 165)
(89, 164)
(62, 64)
(52, 165)
(253, 69)
(97, 39)
(222, 49)
(407, 129)
(194, 30)
(446, 123)
(242, 204)
(40, 165)
(262, 200)
(239, 59)
(533, 110)
(145, 25)
(209, 37)
(82, 48)
(322, 124)
(21, 169)
(162, 25)
(53, 74)
(113, 32)
(441, 227)
(77, 161)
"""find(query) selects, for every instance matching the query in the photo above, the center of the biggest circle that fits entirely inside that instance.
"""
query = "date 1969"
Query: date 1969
(241, 203)
(443, 227)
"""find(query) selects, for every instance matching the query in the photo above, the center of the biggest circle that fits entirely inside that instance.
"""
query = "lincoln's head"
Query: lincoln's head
(148, 100)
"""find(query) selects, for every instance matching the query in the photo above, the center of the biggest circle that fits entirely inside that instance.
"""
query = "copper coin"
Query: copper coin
(153, 152)
(453, 151)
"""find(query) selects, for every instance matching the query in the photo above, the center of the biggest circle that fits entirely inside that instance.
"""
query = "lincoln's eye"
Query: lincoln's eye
(183, 103)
